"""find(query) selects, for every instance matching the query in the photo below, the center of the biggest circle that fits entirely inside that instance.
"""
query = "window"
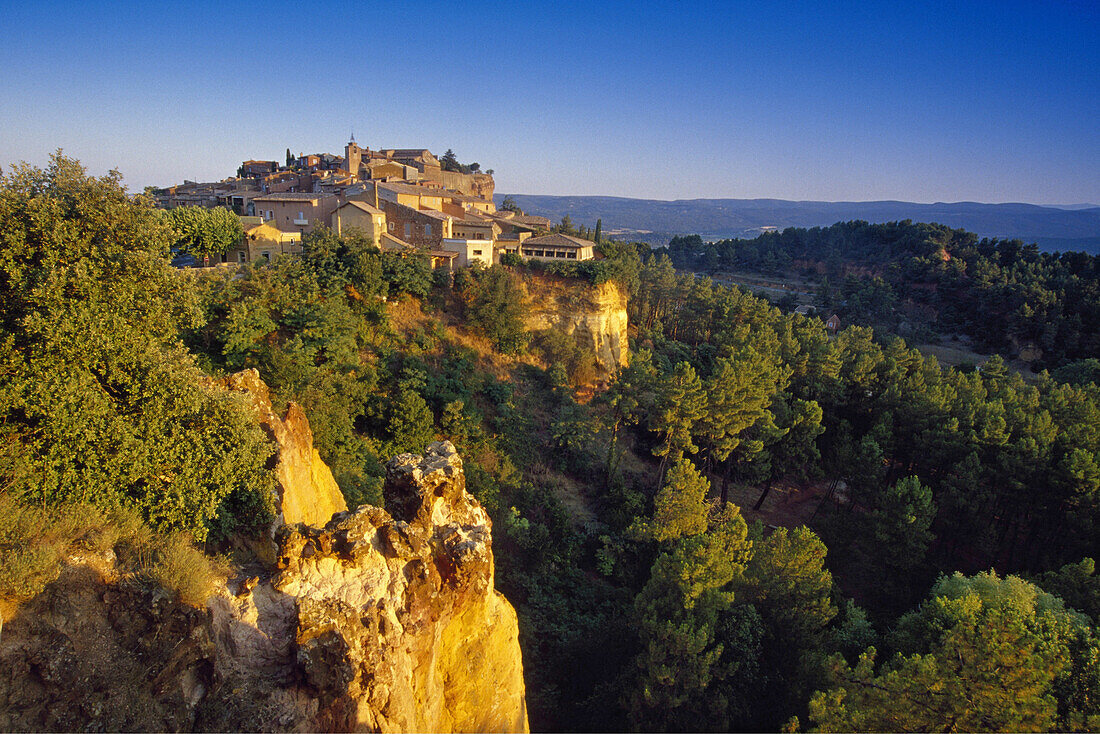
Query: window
(301, 215)
(572, 256)
(427, 230)
(477, 252)
(391, 226)
(408, 229)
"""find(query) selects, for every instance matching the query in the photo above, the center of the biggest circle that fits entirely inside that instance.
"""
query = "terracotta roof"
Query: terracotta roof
(471, 218)
(389, 242)
(401, 188)
(532, 219)
(434, 214)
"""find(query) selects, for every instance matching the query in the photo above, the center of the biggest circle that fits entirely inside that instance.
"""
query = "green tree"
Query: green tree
(902, 524)
(679, 614)
(680, 403)
(680, 507)
(203, 231)
(495, 307)
(509, 205)
(102, 402)
(983, 654)
(449, 162)
(1077, 585)
(405, 273)
(787, 583)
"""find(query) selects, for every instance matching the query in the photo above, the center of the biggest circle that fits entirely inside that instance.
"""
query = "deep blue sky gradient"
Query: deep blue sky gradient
(931, 101)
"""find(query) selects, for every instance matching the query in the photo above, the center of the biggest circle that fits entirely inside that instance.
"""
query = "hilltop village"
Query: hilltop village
(406, 200)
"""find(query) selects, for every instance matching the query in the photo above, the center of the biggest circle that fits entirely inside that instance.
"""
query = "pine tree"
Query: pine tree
(681, 402)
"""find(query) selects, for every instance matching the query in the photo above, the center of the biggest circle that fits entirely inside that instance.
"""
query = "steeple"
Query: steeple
(353, 156)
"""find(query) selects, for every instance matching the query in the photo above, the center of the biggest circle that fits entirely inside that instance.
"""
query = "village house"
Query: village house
(361, 216)
(426, 229)
(256, 169)
(298, 212)
(399, 198)
(267, 242)
(558, 247)
(470, 251)
(476, 229)
(416, 197)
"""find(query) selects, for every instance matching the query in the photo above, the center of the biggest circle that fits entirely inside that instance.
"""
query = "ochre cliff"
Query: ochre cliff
(399, 626)
(307, 491)
(382, 620)
(594, 315)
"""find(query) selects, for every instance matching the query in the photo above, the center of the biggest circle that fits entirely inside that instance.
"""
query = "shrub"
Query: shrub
(176, 564)
(34, 542)
(495, 307)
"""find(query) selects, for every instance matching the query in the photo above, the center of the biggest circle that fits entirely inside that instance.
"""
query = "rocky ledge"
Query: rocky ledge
(381, 620)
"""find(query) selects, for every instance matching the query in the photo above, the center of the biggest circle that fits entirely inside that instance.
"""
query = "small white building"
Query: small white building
(469, 251)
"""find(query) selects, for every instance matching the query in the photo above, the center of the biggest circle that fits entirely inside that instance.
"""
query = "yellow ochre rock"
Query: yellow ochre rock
(307, 491)
(399, 626)
(594, 315)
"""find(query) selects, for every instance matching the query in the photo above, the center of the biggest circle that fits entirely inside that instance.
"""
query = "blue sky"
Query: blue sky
(929, 101)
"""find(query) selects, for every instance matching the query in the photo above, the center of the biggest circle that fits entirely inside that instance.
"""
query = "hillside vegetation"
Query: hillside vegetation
(945, 580)
(927, 280)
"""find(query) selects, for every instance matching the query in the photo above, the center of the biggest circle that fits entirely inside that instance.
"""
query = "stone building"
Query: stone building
(420, 228)
(470, 251)
(297, 212)
(362, 216)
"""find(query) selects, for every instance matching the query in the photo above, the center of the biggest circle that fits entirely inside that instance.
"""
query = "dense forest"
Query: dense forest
(944, 580)
(932, 279)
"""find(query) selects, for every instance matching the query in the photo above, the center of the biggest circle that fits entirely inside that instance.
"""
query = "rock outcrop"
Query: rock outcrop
(399, 626)
(382, 620)
(594, 315)
(307, 490)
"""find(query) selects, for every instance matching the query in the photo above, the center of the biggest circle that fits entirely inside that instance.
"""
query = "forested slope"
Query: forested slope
(645, 600)
(1006, 296)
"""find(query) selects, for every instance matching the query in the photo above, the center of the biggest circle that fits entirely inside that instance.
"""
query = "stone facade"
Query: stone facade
(300, 213)
(423, 229)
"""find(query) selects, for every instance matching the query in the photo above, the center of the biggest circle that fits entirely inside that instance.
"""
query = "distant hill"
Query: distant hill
(654, 221)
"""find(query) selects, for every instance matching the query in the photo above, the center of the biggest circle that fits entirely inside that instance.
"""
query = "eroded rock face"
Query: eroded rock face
(399, 626)
(594, 315)
(307, 490)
